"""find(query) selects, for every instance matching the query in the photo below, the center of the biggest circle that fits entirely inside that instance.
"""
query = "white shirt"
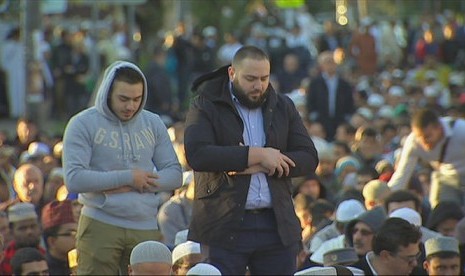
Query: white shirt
(369, 256)
(259, 195)
(412, 152)
(331, 83)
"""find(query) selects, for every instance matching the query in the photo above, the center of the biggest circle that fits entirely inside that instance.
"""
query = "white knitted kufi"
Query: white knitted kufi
(349, 210)
(150, 252)
(407, 214)
(203, 269)
(181, 237)
(184, 249)
(317, 270)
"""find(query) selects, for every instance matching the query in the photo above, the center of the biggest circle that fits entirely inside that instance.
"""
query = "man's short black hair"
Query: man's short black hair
(388, 126)
(394, 233)
(319, 208)
(249, 52)
(125, 74)
(349, 129)
(129, 75)
(50, 232)
(401, 196)
(424, 117)
(342, 145)
(368, 171)
(23, 256)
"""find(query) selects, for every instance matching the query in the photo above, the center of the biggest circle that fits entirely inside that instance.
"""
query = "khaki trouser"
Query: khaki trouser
(104, 249)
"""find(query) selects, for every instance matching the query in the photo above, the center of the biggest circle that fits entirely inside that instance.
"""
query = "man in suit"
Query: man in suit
(329, 98)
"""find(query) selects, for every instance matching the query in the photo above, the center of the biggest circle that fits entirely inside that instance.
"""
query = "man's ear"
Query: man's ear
(231, 73)
(51, 241)
(129, 270)
(426, 265)
(371, 203)
(384, 254)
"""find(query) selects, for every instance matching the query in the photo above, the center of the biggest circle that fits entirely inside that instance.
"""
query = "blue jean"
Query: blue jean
(258, 248)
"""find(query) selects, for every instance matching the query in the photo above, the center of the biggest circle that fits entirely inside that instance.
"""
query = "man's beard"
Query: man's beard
(241, 96)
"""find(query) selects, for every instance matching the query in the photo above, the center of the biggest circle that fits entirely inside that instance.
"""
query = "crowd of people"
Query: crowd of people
(305, 152)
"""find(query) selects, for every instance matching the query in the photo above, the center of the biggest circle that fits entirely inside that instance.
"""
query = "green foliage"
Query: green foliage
(222, 14)
(318, 6)
(149, 17)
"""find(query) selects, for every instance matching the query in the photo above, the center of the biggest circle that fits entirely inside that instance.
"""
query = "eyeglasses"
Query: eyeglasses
(67, 234)
(409, 259)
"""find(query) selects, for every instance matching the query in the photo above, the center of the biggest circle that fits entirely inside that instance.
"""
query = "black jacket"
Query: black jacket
(318, 101)
(212, 141)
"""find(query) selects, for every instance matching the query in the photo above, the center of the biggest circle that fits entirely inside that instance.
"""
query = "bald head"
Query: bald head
(29, 183)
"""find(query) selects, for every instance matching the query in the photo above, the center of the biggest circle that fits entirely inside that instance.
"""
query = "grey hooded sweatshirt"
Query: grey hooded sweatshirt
(99, 152)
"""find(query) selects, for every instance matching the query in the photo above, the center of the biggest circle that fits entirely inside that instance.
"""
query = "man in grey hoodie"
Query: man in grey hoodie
(117, 156)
